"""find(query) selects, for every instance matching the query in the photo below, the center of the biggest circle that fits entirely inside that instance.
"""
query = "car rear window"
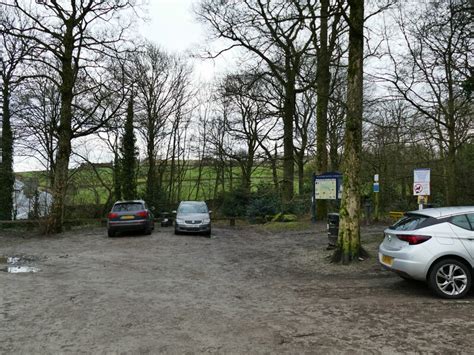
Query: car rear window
(128, 207)
(470, 217)
(461, 221)
(409, 223)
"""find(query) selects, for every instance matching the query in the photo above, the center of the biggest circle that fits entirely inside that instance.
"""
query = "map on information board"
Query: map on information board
(326, 189)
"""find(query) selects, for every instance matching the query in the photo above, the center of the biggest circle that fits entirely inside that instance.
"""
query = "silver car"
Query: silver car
(434, 245)
(193, 217)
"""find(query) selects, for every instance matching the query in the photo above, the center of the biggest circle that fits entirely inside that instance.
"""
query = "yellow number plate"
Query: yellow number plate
(127, 217)
(387, 260)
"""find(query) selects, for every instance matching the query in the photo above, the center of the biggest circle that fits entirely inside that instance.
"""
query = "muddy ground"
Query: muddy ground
(245, 290)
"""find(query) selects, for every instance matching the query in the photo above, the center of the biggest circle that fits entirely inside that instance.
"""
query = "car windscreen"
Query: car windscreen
(409, 222)
(192, 208)
(128, 207)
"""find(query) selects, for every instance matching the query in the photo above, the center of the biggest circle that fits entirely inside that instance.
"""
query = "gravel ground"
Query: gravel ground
(245, 290)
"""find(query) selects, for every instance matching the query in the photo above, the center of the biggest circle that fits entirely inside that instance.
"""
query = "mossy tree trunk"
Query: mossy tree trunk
(289, 108)
(67, 73)
(348, 244)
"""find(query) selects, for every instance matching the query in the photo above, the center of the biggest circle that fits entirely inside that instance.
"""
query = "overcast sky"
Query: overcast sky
(172, 25)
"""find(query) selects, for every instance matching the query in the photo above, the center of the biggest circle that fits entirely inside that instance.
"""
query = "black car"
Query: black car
(130, 216)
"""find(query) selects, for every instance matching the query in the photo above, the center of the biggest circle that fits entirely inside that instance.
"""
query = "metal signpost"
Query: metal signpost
(421, 185)
(376, 195)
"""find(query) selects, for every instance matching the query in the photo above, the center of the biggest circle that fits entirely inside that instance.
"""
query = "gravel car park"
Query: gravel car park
(246, 290)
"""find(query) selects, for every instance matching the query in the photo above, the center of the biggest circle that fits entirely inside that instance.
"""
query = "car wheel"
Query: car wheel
(208, 234)
(450, 278)
(110, 233)
(176, 232)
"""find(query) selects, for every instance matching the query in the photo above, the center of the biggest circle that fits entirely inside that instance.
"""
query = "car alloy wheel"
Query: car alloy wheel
(450, 279)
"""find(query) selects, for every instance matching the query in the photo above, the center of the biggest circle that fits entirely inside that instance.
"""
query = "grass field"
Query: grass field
(93, 186)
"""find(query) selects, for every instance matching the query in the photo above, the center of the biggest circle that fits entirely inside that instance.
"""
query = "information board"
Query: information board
(325, 189)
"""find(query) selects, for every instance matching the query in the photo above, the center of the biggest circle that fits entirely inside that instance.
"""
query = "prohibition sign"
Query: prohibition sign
(418, 188)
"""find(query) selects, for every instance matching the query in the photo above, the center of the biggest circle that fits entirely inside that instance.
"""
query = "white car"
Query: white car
(434, 245)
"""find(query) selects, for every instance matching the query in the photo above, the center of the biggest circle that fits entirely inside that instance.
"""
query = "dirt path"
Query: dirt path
(243, 291)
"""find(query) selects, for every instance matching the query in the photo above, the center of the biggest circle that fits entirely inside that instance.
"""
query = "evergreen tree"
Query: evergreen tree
(7, 178)
(129, 157)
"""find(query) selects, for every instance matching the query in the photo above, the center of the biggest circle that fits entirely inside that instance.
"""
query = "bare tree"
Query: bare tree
(162, 87)
(275, 33)
(431, 76)
(13, 52)
(247, 122)
(304, 132)
(73, 37)
(37, 121)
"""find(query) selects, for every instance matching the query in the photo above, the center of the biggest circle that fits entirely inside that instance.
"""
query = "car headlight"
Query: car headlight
(206, 221)
(179, 220)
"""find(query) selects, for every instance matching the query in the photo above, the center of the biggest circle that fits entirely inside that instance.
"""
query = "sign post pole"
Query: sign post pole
(376, 196)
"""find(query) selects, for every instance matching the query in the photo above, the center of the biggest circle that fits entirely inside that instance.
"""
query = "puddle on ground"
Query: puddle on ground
(19, 269)
(18, 264)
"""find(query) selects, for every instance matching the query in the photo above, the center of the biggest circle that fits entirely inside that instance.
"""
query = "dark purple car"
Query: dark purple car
(128, 216)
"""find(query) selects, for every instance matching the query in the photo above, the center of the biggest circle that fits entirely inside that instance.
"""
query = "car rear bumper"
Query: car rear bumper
(412, 262)
(127, 225)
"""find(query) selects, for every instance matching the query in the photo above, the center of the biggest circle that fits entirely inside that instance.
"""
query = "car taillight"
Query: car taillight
(112, 215)
(143, 214)
(413, 239)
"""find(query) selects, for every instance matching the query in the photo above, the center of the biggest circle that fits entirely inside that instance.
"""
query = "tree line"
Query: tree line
(379, 87)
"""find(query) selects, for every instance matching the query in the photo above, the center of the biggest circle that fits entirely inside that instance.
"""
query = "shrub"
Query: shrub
(263, 204)
(234, 203)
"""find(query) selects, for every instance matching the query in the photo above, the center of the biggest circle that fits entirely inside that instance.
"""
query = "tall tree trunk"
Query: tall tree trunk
(61, 172)
(333, 153)
(323, 83)
(117, 173)
(450, 162)
(348, 243)
(288, 146)
(7, 178)
(300, 165)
